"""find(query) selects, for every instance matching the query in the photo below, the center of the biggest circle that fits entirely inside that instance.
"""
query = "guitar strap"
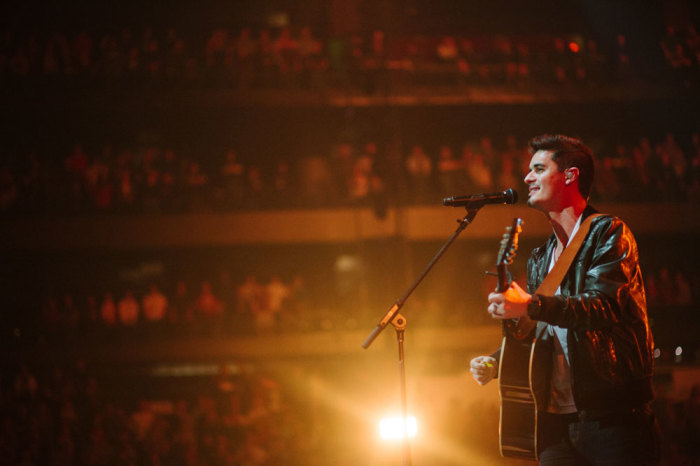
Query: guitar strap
(553, 279)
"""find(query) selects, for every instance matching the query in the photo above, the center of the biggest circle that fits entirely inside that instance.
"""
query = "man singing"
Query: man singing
(594, 329)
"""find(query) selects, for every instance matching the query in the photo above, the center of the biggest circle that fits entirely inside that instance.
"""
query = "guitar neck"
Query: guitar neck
(503, 279)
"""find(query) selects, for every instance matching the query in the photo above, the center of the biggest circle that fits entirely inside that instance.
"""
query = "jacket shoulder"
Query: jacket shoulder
(611, 224)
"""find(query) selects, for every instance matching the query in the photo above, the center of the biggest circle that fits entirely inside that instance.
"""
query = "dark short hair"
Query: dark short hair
(568, 152)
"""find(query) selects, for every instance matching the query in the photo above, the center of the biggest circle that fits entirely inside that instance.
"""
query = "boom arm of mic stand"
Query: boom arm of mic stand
(394, 310)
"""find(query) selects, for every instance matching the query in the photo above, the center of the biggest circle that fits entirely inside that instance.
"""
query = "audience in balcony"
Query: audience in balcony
(294, 56)
(155, 180)
(251, 307)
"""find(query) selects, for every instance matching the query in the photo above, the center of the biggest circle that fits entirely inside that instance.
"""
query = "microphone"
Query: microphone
(476, 201)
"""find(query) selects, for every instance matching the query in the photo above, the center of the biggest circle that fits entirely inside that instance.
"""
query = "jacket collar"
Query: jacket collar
(545, 252)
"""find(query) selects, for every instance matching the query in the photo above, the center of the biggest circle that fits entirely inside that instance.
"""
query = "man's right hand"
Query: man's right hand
(483, 369)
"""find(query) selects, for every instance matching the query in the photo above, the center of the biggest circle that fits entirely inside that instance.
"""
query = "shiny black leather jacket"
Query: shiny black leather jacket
(603, 306)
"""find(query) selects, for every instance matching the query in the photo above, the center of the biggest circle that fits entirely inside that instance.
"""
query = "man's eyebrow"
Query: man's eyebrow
(537, 165)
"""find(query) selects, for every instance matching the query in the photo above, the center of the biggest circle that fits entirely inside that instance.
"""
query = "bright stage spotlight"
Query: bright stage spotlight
(392, 428)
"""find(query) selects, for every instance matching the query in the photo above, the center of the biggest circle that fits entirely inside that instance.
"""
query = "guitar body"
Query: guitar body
(518, 420)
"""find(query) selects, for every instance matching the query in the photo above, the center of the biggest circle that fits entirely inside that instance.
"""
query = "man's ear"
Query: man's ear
(571, 174)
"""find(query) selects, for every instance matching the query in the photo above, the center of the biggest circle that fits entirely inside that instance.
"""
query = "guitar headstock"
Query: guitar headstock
(506, 253)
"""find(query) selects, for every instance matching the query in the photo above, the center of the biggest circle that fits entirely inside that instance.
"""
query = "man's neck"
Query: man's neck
(564, 221)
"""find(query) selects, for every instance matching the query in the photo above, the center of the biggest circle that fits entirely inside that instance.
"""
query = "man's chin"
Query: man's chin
(534, 204)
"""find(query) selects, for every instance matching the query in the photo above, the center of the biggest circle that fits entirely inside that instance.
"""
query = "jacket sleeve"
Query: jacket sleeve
(603, 280)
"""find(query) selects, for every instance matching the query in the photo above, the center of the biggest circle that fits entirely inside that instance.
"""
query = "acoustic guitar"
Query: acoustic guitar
(518, 418)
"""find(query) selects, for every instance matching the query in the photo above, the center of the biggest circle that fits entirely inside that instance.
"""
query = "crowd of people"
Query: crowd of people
(68, 415)
(73, 414)
(180, 310)
(226, 308)
(158, 180)
(293, 56)
(681, 49)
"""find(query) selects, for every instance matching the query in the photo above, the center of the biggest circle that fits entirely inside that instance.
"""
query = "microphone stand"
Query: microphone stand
(394, 318)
